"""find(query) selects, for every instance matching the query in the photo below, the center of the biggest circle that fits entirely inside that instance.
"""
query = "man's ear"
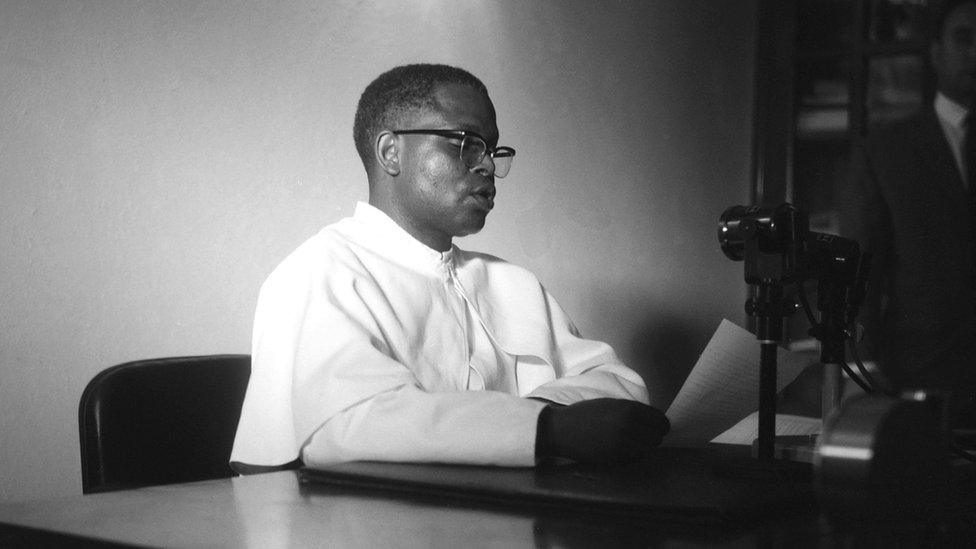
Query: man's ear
(387, 154)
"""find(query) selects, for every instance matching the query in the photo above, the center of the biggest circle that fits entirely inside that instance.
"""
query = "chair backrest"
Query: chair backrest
(161, 421)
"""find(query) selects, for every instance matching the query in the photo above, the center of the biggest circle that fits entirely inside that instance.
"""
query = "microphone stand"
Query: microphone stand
(768, 272)
(768, 268)
(778, 248)
(768, 308)
(831, 334)
(840, 292)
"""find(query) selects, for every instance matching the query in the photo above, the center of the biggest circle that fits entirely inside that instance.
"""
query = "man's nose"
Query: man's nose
(486, 167)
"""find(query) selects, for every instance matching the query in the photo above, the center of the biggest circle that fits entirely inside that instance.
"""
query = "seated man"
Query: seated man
(378, 339)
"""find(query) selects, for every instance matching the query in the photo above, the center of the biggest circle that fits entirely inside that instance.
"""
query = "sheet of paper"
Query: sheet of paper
(723, 387)
(747, 430)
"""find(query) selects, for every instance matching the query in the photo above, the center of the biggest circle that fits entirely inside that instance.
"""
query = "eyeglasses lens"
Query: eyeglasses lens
(473, 151)
(503, 163)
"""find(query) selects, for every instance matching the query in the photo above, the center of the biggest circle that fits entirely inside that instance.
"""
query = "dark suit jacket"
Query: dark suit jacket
(906, 205)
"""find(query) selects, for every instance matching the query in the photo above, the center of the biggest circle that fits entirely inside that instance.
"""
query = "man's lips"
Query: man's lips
(485, 196)
(484, 200)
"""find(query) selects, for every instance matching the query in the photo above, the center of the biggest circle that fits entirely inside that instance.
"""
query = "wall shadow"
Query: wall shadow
(664, 348)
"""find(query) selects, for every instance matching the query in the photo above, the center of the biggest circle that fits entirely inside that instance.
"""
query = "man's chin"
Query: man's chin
(473, 224)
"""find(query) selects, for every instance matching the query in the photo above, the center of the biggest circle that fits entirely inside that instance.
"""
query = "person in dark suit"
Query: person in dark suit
(910, 204)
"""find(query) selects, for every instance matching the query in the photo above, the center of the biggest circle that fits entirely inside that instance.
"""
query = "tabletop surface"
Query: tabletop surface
(278, 510)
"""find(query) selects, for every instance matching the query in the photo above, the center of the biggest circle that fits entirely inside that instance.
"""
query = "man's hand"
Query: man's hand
(603, 430)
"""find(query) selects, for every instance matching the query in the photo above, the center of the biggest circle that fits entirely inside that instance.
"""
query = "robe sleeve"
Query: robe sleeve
(410, 425)
(583, 369)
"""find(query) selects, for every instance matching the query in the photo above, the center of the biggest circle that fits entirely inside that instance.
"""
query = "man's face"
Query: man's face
(954, 57)
(438, 197)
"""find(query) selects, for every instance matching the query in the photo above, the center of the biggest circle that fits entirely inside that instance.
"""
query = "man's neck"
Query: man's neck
(434, 242)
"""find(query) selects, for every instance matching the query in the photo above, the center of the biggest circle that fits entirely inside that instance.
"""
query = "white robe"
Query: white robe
(367, 345)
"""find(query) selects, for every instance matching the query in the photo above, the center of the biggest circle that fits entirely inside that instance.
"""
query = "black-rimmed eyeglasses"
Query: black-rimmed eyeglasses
(473, 149)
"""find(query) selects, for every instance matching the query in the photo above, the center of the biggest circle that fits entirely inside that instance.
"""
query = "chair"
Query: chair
(161, 421)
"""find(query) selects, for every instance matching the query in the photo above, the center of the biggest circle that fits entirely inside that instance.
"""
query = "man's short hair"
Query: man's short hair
(942, 12)
(398, 92)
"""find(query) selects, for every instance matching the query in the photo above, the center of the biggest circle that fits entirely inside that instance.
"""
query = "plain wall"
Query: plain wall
(157, 159)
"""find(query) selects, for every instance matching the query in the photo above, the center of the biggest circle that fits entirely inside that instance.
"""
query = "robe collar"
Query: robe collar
(377, 231)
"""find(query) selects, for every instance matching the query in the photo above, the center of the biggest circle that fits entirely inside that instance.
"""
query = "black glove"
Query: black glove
(603, 430)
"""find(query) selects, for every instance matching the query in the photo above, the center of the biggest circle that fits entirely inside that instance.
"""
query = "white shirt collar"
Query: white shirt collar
(949, 111)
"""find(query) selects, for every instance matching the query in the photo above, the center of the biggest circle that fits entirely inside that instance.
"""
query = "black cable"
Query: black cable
(805, 305)
(802, 294)
(856, 378)
(852, 347)
(868, 384)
